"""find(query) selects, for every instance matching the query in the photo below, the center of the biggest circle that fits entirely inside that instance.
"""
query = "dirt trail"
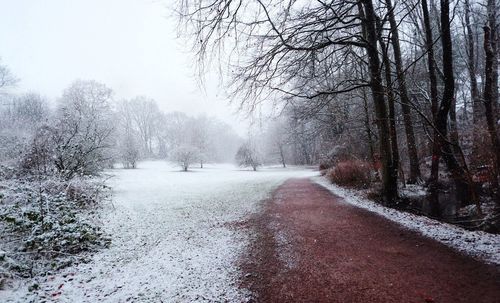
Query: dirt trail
(311, 247)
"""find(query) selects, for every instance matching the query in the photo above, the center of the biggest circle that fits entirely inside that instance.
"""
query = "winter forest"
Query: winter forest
(250, 151)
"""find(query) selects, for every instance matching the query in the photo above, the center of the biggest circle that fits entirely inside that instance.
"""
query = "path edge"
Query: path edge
(480, 245)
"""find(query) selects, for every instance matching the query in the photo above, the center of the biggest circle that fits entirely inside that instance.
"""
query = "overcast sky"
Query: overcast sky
(130, 45)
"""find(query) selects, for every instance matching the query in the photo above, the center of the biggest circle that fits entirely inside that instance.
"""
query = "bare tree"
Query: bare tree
(145, 114)
(200, 131)
(415, 174)
(83, 129)
(185, 155)
(286, 41)
(248, 156)
(489, 98)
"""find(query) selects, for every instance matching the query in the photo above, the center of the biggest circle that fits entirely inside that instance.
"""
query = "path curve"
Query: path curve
(309, 246)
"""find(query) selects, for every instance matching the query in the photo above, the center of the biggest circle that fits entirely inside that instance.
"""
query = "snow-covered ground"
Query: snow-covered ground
(477, 244)
(172, 241)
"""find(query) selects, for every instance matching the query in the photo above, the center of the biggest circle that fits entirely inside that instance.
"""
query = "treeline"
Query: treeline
(88, 131)
(147, 132)
(408, 86)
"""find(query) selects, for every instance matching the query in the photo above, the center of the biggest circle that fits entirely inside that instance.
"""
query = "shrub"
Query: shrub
(185, 155)
(248, 155)
(48, 224)
(325, 165)
(351, 173)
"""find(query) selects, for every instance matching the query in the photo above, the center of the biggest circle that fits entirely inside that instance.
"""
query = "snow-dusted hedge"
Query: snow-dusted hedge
(46, 224)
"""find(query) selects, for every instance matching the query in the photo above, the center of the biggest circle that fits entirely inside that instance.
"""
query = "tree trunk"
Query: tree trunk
(431, 65)
(441, 144)
(368, 128)
(454, 128)
(389, 183)
(282, 155)
(492, 23)
(477, 107)
(393, 134)
(491, 117)
(472, 69)
(415, 174)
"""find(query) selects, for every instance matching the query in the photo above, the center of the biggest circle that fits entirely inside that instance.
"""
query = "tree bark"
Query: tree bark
(389, 183)
(491, 117)
(442, 146)
(492, 11)
(431, 65)
(454, 128)
(415, 174)
(472, 69)
(368, 129)
(282, 155)
(393, 134)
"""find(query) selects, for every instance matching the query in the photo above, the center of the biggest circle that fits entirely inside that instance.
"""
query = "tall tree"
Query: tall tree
(442, 146)
(489, 97)
(389, 178)
(415, 174)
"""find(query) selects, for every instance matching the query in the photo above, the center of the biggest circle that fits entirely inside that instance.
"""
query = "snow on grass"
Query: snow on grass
(478, 244)
(171, 240)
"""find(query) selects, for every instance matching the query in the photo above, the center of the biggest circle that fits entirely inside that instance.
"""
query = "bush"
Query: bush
(325, 165)
(47, 224)
(351, 173)
(248, 156)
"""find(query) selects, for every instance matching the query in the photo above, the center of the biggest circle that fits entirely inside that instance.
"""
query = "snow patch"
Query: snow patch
(413, 191)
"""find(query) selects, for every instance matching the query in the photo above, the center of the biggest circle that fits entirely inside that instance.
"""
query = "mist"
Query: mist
(249, 151)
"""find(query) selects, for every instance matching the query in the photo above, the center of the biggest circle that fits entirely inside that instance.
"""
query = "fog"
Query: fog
(132, 46)
(230, 150)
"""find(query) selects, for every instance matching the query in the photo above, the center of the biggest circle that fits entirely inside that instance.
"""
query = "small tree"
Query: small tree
(185, 155)
(129, 151)
(247, 156)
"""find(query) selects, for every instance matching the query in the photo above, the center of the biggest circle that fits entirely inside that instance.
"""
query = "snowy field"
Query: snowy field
(171, 237)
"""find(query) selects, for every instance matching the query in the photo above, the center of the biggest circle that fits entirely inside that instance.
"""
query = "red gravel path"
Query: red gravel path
(311, 247)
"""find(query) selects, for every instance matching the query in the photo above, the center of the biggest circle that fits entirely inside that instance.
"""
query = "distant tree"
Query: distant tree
(200, 138)
(20, 117)
(7, 79)
(174, 131)
(129, 151)
(224, 141)
(29, 111)
(185, 155)
(145, 114)
(276, 141)
(128, 148)
(247, 156)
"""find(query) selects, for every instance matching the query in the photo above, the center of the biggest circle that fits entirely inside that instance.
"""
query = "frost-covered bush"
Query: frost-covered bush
(352, 173)
(37, 157)
(46, 224)
(248, 156)
(19, 117)
(325, 165)
(185, 155)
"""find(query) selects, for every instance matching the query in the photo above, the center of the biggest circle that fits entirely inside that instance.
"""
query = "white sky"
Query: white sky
(130, 45)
